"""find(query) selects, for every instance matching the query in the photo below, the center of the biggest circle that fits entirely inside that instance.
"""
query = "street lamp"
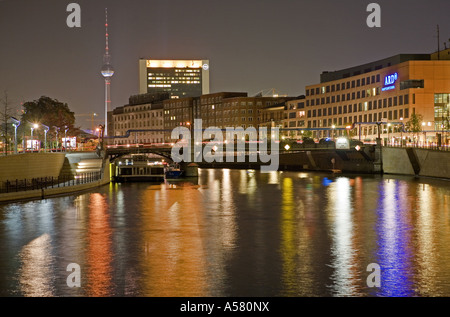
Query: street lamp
(46, 128)
(56, 135)
(424, 134)
(101, 129)
(33, 126)
(401, 132)
(65, 138)
(15, 124)
(388, 130)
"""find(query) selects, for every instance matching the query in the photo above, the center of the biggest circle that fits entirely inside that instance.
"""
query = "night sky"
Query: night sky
(252, 45)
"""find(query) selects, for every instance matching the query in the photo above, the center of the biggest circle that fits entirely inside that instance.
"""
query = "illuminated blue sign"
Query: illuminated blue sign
(389, 82)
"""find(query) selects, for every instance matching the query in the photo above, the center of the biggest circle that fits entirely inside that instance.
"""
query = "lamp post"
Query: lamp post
(424, 134)
(46, 128)
(401, 132)
(33, 126)
(101, 129)
(65, 138)
(56, 135)
(16, 124)
(388, 131)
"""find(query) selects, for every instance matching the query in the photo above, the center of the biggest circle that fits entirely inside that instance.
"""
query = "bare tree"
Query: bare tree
(5, 115)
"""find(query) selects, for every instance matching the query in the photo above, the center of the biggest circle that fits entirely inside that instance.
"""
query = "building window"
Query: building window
(413, 83)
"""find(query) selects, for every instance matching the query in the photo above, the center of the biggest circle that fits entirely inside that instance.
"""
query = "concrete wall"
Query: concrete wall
(396, 161)
(350, 161)
(30, 165)
(57, 191)
(420, 162)
(433, 163)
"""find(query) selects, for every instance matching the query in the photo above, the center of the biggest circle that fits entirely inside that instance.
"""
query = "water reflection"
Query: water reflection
(340, 213)
(394, 240)
(233, 233)
(36, 271)
(174, 261)
(99, 253)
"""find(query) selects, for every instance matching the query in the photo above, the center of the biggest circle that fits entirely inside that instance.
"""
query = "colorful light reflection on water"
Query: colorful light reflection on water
(233, 233)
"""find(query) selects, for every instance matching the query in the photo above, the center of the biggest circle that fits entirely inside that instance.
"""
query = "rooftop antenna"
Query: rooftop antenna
(439, 47)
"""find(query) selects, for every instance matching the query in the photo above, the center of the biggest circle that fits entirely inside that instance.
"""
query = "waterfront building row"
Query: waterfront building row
(389, 91)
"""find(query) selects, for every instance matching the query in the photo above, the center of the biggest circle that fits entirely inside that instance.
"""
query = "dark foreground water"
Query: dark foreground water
(233, 233)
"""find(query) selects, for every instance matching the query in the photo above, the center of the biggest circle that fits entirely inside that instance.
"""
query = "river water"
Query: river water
(233, 233)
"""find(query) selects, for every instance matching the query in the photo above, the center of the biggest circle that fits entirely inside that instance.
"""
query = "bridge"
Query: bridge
(116, 151)
(164, 149)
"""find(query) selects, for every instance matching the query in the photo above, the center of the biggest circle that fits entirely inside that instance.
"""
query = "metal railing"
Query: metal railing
(421, 145)
(26, 184)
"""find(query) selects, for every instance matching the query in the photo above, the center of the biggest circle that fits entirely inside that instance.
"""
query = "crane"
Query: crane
(91, 115)
(269, 93)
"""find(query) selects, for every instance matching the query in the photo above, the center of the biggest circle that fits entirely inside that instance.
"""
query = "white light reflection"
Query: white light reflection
(36, 271)
(228, 224)
(274, 177)
(243, 182)
(425, 247)
(120, 201)
(340, 212)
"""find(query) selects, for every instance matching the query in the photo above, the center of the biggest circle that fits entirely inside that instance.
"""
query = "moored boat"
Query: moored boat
(139, 168)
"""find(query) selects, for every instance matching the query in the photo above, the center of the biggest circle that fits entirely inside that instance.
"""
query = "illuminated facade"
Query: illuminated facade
(294, 117)
(387, 91)
(179, 78)
(224, 109)
(143, 113)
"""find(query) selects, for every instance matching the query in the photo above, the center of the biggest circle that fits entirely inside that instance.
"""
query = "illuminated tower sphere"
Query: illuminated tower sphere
(107, 72)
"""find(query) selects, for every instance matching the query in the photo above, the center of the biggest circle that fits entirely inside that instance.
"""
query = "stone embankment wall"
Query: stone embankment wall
(418, 162)
(36, 165)
(30, 165)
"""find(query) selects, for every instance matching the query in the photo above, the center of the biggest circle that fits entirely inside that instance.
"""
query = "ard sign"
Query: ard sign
(389, 82)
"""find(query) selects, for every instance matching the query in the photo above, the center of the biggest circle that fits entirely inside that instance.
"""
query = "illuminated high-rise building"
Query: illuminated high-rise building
(179, 78)
(107, 73)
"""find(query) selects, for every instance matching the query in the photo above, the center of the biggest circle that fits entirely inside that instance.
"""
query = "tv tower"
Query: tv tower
(107, 73)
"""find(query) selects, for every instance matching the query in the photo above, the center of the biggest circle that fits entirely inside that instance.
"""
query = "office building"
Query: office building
(144, 113)
(179, 78)
(224, 109)
(388, 91)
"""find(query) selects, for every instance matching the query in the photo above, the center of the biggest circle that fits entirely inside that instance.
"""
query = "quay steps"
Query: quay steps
(80, 163)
